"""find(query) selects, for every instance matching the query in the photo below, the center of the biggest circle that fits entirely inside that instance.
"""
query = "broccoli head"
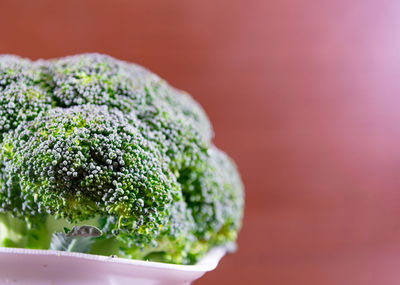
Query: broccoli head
(92, 140)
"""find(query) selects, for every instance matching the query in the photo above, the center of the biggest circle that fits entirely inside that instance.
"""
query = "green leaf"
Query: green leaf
(60, 241)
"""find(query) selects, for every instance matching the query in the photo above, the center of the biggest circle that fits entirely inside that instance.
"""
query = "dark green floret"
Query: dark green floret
(92, 141)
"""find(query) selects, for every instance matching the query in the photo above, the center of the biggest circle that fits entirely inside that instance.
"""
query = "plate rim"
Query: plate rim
(207, 263)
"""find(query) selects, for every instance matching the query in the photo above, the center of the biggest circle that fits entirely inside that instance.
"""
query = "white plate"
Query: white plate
(49, 267)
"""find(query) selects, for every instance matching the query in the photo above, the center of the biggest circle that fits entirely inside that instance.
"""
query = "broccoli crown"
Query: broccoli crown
(92, 138)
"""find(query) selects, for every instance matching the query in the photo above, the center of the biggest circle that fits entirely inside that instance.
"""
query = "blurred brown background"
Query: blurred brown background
(304, 95)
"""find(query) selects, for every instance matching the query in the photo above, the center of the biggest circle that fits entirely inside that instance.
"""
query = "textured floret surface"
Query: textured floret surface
(89, 139)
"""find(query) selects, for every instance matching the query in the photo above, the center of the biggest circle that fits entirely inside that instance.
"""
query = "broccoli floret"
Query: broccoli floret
(92, 140)
(212, 190)
(14, 69)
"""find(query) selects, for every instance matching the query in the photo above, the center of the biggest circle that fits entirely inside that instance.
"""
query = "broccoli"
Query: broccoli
(94, 142)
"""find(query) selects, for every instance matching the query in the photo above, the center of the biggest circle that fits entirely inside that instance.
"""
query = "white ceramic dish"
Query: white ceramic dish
(49, 267)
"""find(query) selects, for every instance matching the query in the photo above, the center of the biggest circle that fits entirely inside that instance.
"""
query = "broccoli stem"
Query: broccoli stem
(15, 232)
(22, 233)
(12, 231)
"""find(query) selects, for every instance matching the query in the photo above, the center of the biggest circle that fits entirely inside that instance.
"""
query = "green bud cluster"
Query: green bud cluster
(90, 137)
